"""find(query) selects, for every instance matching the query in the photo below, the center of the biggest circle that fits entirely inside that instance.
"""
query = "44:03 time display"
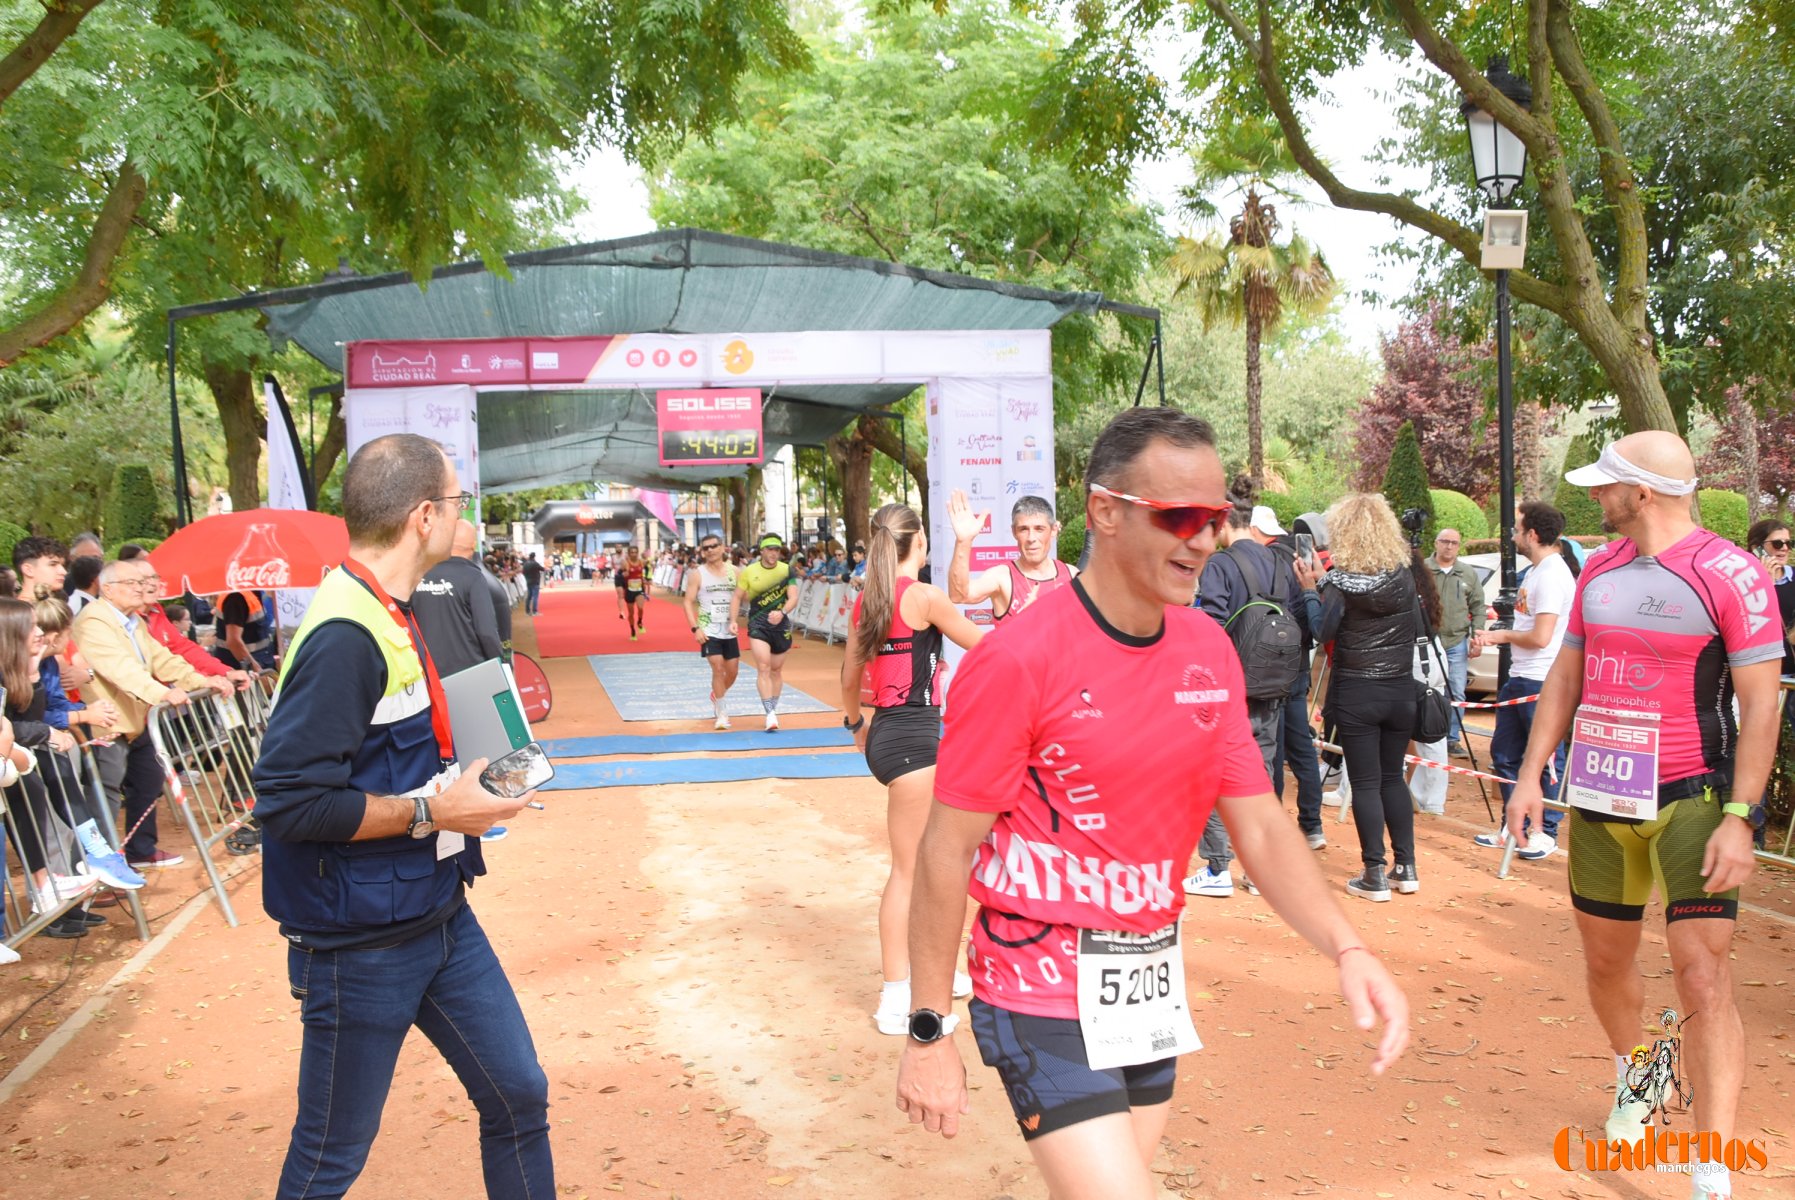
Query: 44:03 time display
(693, 445)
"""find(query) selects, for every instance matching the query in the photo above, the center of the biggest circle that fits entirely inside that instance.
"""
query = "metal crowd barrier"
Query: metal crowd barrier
(208, 748)
(42, 811)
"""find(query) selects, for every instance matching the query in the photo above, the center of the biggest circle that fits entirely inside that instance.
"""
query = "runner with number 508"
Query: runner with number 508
(1085, 748)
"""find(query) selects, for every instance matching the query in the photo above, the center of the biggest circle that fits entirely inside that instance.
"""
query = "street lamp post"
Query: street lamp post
(1499, 162)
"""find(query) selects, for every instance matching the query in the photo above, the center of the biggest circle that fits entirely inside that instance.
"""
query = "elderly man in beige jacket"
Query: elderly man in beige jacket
(136, 673)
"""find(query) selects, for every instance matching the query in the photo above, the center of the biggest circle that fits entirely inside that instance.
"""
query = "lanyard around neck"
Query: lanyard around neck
(439, 700)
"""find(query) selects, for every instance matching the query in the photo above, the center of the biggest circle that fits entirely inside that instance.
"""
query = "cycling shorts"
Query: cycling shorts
(1042, 1063)
(1613, 865)
(777, 637)
(903, 738)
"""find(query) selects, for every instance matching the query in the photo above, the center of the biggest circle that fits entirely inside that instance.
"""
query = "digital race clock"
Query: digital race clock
(717, 427)
(692, 446)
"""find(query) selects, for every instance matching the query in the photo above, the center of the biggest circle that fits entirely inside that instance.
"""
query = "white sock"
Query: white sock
(899, 990)
(1711, 1179)
(1621, 1063)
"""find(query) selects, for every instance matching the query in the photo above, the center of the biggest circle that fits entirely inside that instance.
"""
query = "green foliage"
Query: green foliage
(132, 505)
(10, 536)
(1581, 514)
(60, 452)
(1726, 513)
(1286, 506)
(1455, 510)
(148, 543)
(1068, 506)
(1405, 479)
(906, 141)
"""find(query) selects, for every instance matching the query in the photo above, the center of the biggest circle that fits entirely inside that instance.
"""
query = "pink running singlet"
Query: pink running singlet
(1025, 591)
(1659, 634)
(1103, 755)
(906, 672)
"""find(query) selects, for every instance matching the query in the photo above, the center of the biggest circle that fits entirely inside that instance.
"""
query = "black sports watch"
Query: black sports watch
(855, 727)
(421, 825)
(927, 1025)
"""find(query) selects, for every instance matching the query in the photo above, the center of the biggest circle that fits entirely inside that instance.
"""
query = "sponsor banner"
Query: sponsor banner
(991, 556)
(288, 487)
(709, 427)
(477, 362)
(443, 413)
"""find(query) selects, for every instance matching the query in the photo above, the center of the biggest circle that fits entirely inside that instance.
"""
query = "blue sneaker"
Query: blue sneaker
(113, 871)
(497, 833)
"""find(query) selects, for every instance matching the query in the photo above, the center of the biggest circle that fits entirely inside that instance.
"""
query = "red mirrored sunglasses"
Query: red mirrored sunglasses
(1182, 521)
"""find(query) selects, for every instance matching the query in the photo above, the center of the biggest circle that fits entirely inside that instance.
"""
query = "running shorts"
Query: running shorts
(619, 581)
(777, 637)
(726, 647)
(903, 738)
(1614, 865)
(1042, 1063)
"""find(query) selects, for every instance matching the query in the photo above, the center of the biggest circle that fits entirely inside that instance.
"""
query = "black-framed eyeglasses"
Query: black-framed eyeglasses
(463, 500)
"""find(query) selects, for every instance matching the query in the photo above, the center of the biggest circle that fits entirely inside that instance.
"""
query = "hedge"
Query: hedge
(1726, 513)
(1581, 514)
(132, 508)
(1068, 506)
(1455, 510)
(1405, 480)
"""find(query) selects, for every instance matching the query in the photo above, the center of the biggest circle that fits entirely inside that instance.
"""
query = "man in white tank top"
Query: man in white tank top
(710, 596)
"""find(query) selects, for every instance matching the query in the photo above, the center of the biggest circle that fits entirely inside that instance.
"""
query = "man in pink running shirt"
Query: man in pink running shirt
(1670, 624)
(1085, 748)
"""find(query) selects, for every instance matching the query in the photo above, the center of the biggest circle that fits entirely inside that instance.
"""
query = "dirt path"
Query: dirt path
(698, 966)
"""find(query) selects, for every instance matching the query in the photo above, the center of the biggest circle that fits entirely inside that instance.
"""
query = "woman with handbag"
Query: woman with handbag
(1371, 611)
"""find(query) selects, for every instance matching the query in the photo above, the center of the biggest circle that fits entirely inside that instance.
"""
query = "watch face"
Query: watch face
(925, 1026)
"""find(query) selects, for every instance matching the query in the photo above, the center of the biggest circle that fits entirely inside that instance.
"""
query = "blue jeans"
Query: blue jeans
(1265, 717)
(534, 599)
(1297, 747)
(1458, 666)
(1513, 727)
(357, 1007)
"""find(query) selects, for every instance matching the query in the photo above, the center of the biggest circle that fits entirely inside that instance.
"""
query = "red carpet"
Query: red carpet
(577, 621)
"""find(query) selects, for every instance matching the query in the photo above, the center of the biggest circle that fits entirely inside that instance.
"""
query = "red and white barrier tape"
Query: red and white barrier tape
(1418, 761)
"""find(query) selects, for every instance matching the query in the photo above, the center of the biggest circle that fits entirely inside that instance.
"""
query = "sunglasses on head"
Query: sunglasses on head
(1182, 521)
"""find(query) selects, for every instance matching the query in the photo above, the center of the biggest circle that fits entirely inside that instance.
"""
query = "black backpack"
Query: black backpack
(1266, 636)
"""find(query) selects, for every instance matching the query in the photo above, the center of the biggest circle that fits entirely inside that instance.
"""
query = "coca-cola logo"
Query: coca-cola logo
(273, 573)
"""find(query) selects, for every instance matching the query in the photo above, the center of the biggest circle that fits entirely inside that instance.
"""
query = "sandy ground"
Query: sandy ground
(698, 965)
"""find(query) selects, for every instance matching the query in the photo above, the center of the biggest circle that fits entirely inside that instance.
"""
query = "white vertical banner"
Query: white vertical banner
(287, 488)
(993, 440)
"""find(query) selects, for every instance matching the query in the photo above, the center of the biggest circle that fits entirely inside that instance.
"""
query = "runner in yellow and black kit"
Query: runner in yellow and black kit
(766, 586)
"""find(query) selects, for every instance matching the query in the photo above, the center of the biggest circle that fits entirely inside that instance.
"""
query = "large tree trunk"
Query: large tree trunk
(852, 455)
(234, 391)
(1255, 418)
(884, 438)
(754, 489)
(1745, 426)
(336, 440)
(1527, 451)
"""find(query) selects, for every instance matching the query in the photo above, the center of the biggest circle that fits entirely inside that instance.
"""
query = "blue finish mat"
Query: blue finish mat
(671, 686)
(698, 743)
(648, 772)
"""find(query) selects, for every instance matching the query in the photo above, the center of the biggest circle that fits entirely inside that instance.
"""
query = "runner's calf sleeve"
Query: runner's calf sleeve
(768, 705)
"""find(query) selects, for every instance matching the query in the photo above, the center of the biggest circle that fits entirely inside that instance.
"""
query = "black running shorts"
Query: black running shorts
(728, 647)
(777, 637)
(1614, 865)
(1042, 1063)
(903, 738)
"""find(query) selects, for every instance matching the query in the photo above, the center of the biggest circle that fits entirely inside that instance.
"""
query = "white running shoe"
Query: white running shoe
(1208, 883)
(1495, 839)
(8, 956)
(1317, 840)
(720, 708)
(1627, 1119)
(60, 888)
(772, 722)
(893, 1014)
(962, 985)
(1539, 845)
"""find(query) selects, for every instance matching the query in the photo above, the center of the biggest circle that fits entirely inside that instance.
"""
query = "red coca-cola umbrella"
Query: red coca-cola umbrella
(262, 548)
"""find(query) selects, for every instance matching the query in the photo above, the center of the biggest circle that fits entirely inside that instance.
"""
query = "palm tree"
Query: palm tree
(1247, 277)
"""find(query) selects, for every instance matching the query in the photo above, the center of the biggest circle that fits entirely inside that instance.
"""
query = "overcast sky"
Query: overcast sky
(1345, 132)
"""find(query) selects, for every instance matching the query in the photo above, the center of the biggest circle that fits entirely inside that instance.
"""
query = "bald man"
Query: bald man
(454, 609)
(1670, 624)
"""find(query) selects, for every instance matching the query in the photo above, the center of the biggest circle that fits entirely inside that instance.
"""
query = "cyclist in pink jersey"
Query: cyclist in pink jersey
(1016, 584)
(1082, 757)
(1670, 624)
